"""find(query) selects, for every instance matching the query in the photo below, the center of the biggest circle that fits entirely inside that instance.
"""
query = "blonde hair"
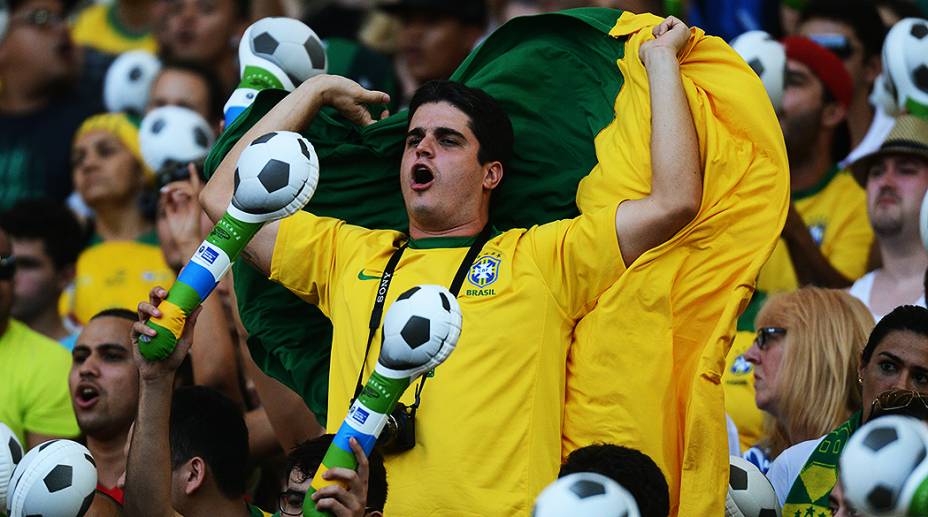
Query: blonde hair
(817, 379)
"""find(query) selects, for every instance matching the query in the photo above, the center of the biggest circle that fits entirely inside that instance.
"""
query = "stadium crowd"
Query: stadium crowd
(729, 269)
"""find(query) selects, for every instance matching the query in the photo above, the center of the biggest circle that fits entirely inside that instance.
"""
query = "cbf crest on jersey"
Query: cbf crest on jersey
(484, 272)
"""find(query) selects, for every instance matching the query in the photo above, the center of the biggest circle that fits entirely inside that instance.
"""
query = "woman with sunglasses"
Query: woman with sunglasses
(894, 358)
(805, 360)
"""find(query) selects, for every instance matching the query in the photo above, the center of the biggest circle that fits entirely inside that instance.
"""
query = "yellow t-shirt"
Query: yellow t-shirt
(115, 274)
(835, 211)
(97, 27)
(34, 395)
(488, 431)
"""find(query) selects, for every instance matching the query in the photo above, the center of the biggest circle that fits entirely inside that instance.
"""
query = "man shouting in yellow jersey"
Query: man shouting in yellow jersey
(489, 419)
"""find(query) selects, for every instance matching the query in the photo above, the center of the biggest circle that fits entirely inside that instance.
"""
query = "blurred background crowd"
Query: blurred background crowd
(93, 216)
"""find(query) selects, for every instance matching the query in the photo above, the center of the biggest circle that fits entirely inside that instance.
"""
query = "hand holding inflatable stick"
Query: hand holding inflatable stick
(275, 177)
(420, 330)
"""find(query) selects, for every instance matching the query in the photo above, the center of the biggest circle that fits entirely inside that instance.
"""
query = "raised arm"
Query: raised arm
(676, 173)
(293, 113)
(148, 468)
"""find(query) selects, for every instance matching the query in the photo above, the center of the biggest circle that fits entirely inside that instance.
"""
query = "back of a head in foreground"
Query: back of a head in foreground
(206, 424)
(632, 469)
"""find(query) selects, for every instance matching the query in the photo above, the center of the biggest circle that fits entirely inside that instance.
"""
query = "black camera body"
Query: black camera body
(399, 433)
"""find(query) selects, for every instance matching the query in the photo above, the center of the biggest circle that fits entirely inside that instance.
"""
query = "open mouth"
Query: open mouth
(422, 177)
(86, 396)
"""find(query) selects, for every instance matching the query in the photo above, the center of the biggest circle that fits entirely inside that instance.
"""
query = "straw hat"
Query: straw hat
(909, 136)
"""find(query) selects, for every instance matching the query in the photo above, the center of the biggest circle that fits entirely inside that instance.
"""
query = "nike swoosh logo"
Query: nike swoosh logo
(362, 276)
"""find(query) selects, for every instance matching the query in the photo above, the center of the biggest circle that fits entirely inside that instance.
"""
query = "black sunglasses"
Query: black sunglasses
(765, 333)
(7, 267)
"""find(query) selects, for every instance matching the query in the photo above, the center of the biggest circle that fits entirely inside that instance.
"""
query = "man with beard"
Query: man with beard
(896, 178)
(826, 239)
(104, 386)
(45, 97)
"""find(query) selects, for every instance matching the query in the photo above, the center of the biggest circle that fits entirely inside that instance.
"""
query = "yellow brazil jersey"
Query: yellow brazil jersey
(115, 274)
(488, 433)
(35, 396)
(835, 211)
(98, 27)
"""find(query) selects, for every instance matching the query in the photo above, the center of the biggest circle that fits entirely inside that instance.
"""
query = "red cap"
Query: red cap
(824, 64)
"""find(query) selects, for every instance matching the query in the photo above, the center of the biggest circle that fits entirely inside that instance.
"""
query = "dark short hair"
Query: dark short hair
(307, 456)
(213, 86)
(206, 424)
(49, 222)
(488, 120)
(125, 314)
(906, 318)
(632, 469)
(860, 15)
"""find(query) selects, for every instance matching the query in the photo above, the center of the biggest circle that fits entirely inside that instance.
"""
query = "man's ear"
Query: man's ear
(833, 114)
(493, 175)
(194, 474)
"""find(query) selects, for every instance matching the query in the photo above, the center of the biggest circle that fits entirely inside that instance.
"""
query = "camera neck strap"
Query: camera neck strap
(387, 277)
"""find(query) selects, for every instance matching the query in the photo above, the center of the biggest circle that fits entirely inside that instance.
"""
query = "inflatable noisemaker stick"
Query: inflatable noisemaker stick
(274, 53)
(420, 330)
(275, 176)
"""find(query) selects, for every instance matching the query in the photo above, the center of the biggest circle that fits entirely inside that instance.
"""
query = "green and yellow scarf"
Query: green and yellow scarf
(808, 497)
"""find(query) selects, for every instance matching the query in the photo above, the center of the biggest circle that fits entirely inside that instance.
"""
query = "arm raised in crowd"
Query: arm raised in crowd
(293, 113)
(148, 469)
(676, 176)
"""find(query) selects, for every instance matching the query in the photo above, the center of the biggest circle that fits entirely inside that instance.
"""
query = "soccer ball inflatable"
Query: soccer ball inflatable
(276, 175)
(587, 494)
(878, 460)
(238, 102)
(905, 64)
(420, 330)
(767, 58)
(10, 453)
(56, 479)
(883, 95)
(285, 48)
(750, 494)
(173, 134)
(128, 81)
(913, 500)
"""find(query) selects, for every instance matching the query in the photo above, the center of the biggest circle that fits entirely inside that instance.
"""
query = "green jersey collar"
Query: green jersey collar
(818, 187)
